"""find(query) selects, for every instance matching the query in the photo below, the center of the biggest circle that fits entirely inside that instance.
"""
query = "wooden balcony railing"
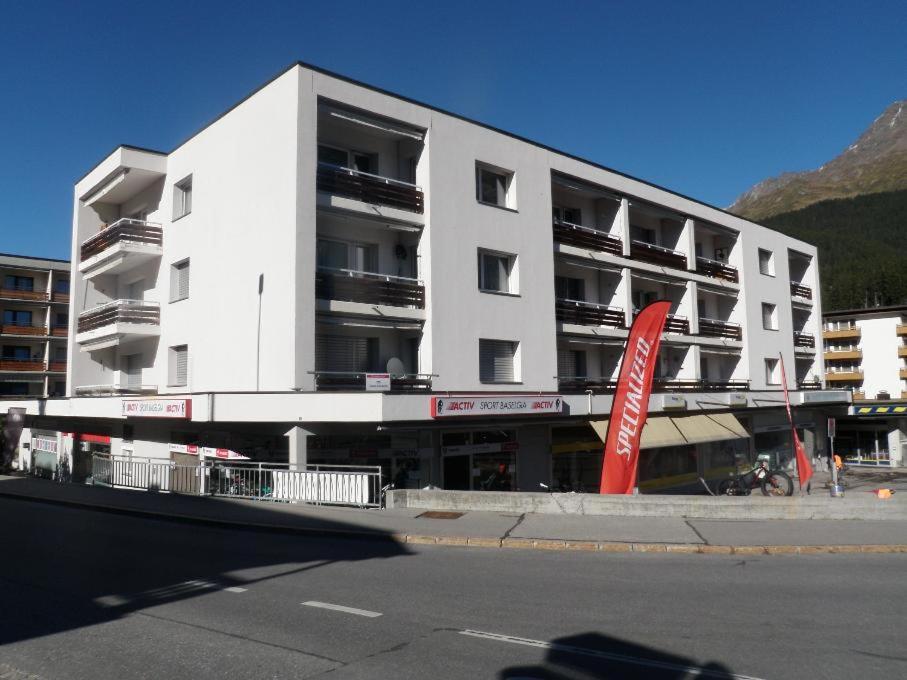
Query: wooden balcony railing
(674, 324)
(57, 367)
(373, 289)
(588, 313)
(22, 329)
(713, 328)
(126, 230)
(804, 340)
(694, 385)
(717, 270)
(35, 294)
(14, 364)
(120, 311)
(585, 237)
(346, 381)
(648, 252)
(801, 291)
(59, 331)
(368, 188)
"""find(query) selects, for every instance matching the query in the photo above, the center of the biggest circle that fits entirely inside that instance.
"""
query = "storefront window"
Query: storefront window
(480, 460)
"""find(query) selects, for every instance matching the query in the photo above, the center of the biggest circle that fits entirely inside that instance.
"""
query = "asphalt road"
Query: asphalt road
(92, 595)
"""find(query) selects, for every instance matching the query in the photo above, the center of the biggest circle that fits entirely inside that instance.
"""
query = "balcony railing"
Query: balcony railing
(582, 383)
(369, 188)
(374, 289)
(57, 367)
(649, 252)
(109, 390)
(59, 330)
(833, 374)
(713, 328)
(23, 329)
(57, 296)
(801, 291)
(585, 237)
(717, 270)
(120, 311)
(698, 385)
(673, 324)
(804, 340)
(343, 380)
(588, 313)
(23, 293)
(21, 364)
(126, 230)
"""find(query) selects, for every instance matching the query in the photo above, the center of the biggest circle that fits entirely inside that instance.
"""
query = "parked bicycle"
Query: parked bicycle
(770, 482)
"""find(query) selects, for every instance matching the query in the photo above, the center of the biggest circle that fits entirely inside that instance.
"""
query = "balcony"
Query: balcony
(844, 376)
(26, 365)
(346, 381)
(845, 354)
(713, 328)
(665, 257)
(585, 237)
(805, 340)
(56, 367)
(841, 333)
(809, 385)
(581, 383)
(717, 270)
(674, 324)
(57, 296)
(901, 329)
(113, 390)
(698, 385)
(124, 245)
(902, 351)
(368, 188)
(902, 373)
(23, 329)
(801, 291)
(59, 331)
(374, 289)
(588, 313)
(117, 322)
(859, 395)
(23, 293)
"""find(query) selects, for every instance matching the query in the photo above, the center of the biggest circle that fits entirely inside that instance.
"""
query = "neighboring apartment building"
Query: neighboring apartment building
(321, 230)
(34, 328)
(866, 352)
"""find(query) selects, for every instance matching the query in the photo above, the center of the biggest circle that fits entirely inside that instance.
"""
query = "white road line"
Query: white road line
(235, 589)
(341, 608)
(541, 644)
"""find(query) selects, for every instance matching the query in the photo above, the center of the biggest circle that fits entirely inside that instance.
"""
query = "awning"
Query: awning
(375, 124)
(683, 430)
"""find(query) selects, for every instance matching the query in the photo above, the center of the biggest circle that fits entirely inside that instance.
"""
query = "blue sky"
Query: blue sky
(705, 98)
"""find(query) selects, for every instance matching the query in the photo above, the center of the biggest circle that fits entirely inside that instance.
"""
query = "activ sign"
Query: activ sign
(461, 406)
(157, 408)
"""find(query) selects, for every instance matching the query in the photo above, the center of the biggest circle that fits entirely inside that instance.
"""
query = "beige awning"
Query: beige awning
(683, 430)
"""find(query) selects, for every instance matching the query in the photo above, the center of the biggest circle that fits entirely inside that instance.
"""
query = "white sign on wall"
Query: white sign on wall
(157, 408)
(377, 382)
(449, 407)
(44, 444)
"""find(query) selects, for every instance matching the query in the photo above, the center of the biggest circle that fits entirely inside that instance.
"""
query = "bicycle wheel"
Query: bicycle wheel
(724, 487)
(777, 483)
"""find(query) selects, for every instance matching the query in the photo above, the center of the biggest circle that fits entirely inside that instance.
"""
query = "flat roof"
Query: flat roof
(868, 311)
(416, 102)
(32, 258)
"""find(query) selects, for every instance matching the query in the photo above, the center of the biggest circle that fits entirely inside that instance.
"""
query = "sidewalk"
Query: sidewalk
(483, 529)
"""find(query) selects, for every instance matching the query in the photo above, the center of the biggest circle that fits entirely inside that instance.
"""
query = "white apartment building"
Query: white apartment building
(240, 290)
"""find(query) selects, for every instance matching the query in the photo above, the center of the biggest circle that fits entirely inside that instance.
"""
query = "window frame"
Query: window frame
(770, 262)
(512, 283)
(508, 200)
(772, 316)
(175, 268)
(173, 377)
(772, 373)
(182, 198)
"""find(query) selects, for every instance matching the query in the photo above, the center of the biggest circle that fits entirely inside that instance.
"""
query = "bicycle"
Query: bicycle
(771, 483)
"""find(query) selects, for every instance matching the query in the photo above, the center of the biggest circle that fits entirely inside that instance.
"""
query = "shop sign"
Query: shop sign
(449, 407)
(45, 444)
(157, 408)
(191, 449)
(377, 382)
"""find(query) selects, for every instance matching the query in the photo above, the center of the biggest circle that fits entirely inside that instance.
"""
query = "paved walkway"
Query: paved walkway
(484, 529)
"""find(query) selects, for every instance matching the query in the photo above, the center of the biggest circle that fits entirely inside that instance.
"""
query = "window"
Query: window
(61, 286)
(642, 298)
(497, 359)
(569, 288)
(17, 317)
(354, 160)
(179, 366)
(571, 363)
(771, 372)
(496, 272)
(571, 215)
(61, 320)
(769, 316)
(16, 352)
(643, 235)
(346, 354)
(182, 198)
(360, 257)
(493, 186)
(11, 282)
(766, 262)
(179, 281)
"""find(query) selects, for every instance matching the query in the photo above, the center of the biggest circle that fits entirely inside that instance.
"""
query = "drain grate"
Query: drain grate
(439, 514)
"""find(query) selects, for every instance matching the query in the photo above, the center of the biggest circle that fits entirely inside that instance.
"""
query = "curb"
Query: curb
(546, 544)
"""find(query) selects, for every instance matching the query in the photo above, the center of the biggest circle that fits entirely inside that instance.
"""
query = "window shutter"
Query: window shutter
(182, 365)
(496, 360)
(179, 281)
(566, 363)
(343, 354)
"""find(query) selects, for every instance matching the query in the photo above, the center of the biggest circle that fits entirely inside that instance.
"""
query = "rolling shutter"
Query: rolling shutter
(566, 363)
(182, 364)
(342, 354)
(496, 360)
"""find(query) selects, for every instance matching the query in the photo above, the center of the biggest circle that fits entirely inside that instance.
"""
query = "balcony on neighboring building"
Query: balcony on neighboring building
(902, 351)
(843, 375)
(850, 354)
(717, 270)
(697, 385)
(584, 313)
(840, 331)
(665, 257)
(59, 330)
(116, 322)
(800, 291)
(58, 366)
(120, 247)
(901, 329)
(713, 328)
(24, 293)
(375, 289)
(585, 237)
(369, 188)
(24, 329)
(22, 365)
(804, 340)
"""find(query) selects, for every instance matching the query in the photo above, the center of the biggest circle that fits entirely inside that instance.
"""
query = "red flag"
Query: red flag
(631, 400)
(804, 469)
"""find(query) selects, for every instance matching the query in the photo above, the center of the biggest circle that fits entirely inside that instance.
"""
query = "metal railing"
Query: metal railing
(714, 328)
(649, 252)
(585, 313)
(586, 237)
(582, 383)
(347, 380)
(599, 385)
(809, 385)
(716, 269)
(377, 289)
(369, 188)
(150, 474)
(804, 340)
(120, 311)
(125, 230)
(801, 291)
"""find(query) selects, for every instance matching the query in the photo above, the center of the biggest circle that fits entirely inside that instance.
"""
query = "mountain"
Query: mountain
(862, 249)
(876, 162)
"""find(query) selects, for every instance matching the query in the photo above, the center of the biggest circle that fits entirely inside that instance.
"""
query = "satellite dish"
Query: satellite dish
(395, 367)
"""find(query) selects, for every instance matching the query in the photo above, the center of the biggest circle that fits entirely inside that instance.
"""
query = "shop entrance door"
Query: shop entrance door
(457, 473)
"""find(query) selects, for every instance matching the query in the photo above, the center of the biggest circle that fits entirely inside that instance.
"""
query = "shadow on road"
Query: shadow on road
(594, 655)
(65, 568)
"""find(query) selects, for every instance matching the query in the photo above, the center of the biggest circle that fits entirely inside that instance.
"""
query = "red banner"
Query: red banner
(631, 400)
(804, 469)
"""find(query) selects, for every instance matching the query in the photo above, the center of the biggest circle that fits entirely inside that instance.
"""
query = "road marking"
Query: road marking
(554, 646)
(341, 608)
(235, 589)
(111, 601)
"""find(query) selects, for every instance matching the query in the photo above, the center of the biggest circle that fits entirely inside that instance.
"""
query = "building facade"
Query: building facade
(330, 272)
(866, 352)
(34, 329)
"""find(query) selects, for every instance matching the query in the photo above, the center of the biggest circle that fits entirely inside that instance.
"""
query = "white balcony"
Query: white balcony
(118, 322)
(121, 246)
